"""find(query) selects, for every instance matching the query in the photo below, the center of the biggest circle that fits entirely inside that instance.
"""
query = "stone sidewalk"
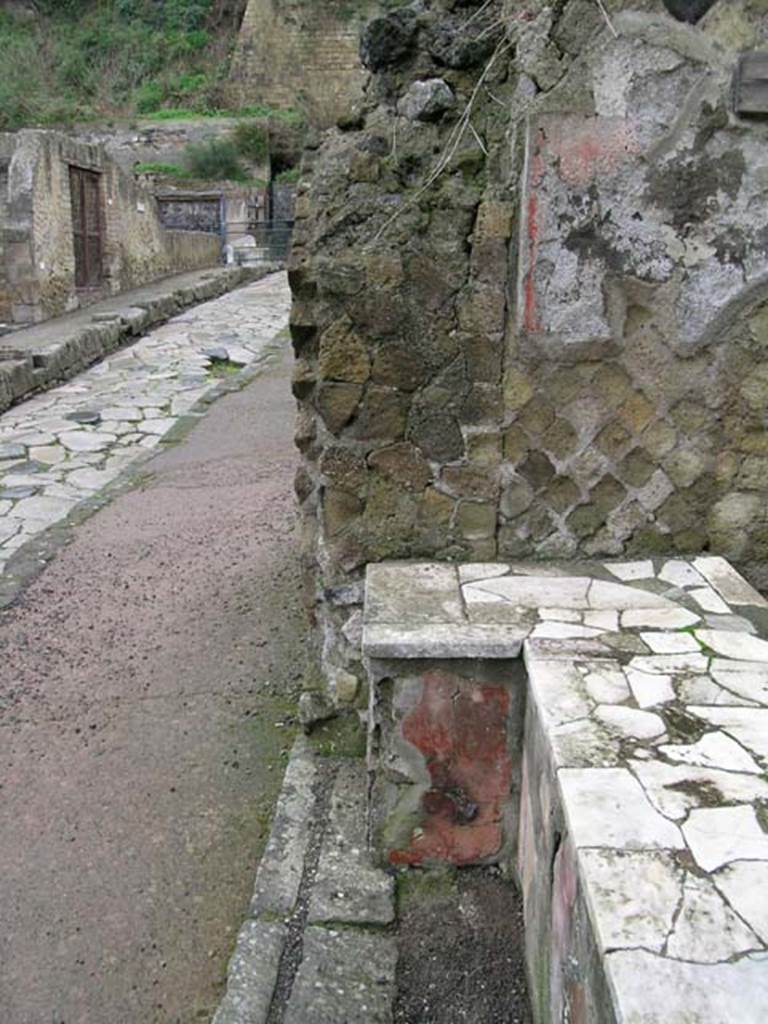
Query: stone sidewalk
(46, 354)
(62, 447)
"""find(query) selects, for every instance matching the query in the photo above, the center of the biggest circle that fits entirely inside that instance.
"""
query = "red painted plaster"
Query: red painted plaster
(584, 149)
(460, 727)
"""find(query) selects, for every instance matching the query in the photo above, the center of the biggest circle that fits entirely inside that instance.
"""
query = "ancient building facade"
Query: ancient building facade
(301, 54)
(75, 226)
(530, 285)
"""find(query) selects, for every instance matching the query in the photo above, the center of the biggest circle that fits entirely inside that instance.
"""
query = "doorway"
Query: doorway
(87, 228)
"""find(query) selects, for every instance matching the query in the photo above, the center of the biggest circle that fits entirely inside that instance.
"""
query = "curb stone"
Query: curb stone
(316, 868)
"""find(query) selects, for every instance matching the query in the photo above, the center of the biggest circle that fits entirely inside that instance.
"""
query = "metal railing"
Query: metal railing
(263, 242)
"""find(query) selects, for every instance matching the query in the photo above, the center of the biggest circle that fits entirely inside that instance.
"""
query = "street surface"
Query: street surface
(147, 677)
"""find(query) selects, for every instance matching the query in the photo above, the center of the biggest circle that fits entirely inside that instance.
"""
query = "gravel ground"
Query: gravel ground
(461, 950)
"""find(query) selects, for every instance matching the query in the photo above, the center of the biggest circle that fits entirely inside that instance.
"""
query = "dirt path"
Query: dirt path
(144, 680)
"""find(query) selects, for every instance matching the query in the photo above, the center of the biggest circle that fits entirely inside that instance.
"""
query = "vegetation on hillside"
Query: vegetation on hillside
(97, 59)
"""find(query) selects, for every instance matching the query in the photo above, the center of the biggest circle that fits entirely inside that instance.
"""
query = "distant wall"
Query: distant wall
(192, 250)
(164, 142)
(37, 277)
(302, 54)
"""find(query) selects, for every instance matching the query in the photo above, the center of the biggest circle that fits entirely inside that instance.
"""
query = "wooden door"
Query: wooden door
(87, 227)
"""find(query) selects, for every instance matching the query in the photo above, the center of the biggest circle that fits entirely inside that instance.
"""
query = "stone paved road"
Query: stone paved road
(49, 462)
(147, 681)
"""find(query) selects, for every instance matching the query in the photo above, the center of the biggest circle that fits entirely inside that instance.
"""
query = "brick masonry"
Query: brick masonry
(301, 54)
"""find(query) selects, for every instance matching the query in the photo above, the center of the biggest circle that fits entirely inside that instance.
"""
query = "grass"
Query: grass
(224, 368)
(88, 59)
(288, 177)
(286, 116)
(168, 170)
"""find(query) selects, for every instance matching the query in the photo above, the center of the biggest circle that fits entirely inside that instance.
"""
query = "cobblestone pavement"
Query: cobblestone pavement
(63, 446)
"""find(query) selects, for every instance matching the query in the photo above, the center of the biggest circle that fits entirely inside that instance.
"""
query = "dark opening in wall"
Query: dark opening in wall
(689, 10)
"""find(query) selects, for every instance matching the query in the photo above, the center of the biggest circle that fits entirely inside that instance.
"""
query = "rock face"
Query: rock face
(550, 302)
(426, 101)
(389, 39)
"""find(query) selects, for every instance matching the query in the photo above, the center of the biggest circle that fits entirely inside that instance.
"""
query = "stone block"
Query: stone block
(517, 497)
(348, 888)
(404, 464)
(345, 975)
(494, 220)
(613, 440)
(343, 468)
(518, 389)
(560, 440)
(342, 355)
(252, 974)
(382, 415)
(469, 482)
(337, 404)
(340, 510)
(636, 412)
(537, 416)
(476, 520)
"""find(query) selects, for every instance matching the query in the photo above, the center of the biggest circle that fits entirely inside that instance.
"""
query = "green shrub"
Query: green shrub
(107, 57)
(252, 141)
(215, 160)
(288, 177)
(149, 96)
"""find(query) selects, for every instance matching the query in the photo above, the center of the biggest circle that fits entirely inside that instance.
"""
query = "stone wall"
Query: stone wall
(557, 345)
(37, 240)
(192, 250)
(165, 142)
(301, 54)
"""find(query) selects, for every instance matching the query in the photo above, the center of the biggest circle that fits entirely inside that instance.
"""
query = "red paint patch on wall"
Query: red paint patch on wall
(588, 148)
(461, 729)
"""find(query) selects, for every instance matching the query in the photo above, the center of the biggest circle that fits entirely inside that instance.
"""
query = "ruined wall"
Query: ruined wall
(37, 237)
(163, 142)
(301, 54)
(559, 346)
